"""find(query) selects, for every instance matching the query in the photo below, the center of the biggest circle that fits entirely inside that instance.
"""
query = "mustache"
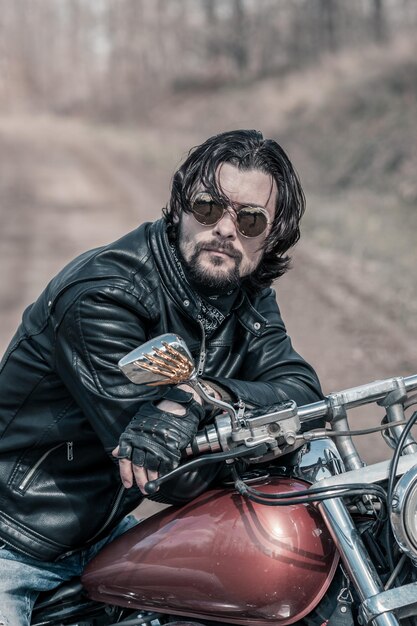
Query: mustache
(217, 246)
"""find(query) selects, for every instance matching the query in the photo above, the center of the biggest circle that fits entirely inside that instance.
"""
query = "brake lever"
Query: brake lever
(152, 486)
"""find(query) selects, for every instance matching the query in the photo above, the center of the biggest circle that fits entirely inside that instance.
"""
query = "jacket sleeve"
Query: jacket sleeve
(272, 371)
(93, 334)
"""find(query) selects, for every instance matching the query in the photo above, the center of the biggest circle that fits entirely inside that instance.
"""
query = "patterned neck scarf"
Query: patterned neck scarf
(210, 316)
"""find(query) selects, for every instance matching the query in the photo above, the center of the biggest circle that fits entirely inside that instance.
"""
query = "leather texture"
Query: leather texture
(154, 439)
(64, 402)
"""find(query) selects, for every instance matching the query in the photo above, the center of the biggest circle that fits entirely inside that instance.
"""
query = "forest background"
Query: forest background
(100, 101)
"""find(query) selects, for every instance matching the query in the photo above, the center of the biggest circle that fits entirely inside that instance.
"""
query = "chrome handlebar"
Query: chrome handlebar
(357, 396)
(279, 426)
(264, 435)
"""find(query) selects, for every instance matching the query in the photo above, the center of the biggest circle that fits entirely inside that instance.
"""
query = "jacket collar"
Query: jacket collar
(177, 287)
(181, 292)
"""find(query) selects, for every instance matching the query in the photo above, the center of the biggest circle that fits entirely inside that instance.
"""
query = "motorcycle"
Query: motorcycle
(300, 531)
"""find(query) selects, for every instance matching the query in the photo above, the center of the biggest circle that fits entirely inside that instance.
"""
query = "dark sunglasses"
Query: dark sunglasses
(251, 221)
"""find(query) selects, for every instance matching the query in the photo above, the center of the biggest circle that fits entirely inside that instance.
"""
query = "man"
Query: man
(70, 420)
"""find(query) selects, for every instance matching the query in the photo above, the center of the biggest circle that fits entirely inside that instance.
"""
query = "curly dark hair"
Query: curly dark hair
(246, 150)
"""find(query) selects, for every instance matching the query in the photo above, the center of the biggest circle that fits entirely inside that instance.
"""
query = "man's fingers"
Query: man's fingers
(126, 472)
(130, 473)
(143, 476)
(153, 475)
(125, 469)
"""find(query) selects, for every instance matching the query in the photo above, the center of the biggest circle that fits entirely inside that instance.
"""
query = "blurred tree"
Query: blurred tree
(240, 40)
(212, 28)
(379, 21)
(328, 20)
(116, 59)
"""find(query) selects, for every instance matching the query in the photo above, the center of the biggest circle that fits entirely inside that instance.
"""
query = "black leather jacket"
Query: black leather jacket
(64, 402)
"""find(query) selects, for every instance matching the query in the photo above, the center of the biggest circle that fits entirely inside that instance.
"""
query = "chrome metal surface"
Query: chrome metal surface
(200, 389)
(395, 413)
(356, 396)
(204, 442)
(369, 392)
(344, 443)
(354, 555)
(313, 410)
(371, 474)
(223, 427)
(164, 360)
(278, 433)
(319, 459)
(410, 382)
(212, 438)
(282, 412)
(402, 601)
(403, 512)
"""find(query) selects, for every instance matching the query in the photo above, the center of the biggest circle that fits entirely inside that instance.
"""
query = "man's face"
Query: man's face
(219, 256)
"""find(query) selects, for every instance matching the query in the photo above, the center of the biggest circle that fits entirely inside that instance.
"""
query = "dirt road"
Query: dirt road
(67, 187)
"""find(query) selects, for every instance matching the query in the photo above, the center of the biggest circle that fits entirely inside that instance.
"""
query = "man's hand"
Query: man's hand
(154, 439)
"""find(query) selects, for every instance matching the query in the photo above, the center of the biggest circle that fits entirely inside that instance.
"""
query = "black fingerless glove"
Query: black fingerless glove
(154, 439)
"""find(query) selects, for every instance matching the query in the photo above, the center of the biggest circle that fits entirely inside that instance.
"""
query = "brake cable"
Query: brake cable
(306, 496)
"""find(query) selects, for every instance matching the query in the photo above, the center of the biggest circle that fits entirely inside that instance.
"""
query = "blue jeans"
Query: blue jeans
(23, 578)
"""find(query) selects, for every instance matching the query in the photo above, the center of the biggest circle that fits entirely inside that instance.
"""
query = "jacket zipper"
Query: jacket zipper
(26, 480)
(202, 357)
(70, 450)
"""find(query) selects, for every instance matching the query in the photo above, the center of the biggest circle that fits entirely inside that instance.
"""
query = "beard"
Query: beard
(210, 276)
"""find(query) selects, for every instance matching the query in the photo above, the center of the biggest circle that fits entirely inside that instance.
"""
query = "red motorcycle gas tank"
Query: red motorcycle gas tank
(221, 557)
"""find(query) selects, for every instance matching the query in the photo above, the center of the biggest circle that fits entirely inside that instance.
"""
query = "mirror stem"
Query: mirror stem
(225, 406)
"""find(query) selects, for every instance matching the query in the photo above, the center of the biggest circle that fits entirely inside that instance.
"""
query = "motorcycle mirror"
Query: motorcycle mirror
(164, 360)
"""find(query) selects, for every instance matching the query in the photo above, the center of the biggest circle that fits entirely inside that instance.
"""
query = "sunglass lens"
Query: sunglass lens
(207, 213)
(252, 222)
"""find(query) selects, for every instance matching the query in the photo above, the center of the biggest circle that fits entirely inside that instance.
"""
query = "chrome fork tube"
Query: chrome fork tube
(354, 555)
